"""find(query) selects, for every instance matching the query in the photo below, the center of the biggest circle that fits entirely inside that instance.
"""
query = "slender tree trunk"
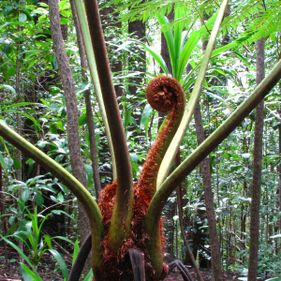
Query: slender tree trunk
(2, 198)
(243, 219)
(257, 170)
(183, 221)
(169, 213)
(76, 160)
(4, 222)
(279, 166)
(18, 156)
(88, 103)
(279, 172)
(209, 200)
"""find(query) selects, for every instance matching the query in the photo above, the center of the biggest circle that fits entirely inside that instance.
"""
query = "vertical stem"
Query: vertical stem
(279, 172)
(2, 206)
(19, 124)
(257, 171)
(120, 222)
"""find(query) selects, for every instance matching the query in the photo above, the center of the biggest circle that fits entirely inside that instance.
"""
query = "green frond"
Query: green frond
(248, 16)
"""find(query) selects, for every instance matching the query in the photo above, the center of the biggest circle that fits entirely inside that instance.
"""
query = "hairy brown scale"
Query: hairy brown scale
(165, 95)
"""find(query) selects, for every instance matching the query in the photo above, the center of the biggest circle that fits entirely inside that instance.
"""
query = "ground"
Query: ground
(9, 269)
(175, 276)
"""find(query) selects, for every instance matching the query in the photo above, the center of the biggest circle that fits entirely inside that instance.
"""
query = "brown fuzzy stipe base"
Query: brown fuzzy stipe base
(117, 266)
(165, 95)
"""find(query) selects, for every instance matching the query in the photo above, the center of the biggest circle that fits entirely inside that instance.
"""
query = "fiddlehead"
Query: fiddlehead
(165, 95)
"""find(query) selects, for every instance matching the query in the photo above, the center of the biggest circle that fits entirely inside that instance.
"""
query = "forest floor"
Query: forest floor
(207, 276)
(10, 269)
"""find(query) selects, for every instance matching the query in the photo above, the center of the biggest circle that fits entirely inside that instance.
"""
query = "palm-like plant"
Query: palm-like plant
(129, 215)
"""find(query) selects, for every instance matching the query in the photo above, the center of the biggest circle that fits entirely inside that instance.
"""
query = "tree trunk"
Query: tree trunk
(19, 123)
(257, 170)
(279, 172)
(279, 166)
(3, 226)
(209, 200)
(76, 160)
(169, 213)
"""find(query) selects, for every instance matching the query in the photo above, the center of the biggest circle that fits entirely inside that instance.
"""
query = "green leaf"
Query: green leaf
(75, 251)
(7, 88)
(28, 274)
(20, 104)
(17, 164)
(178, 39)
(48, 240)
(2, 161)
(64, 239)
(32, 119)
(158, 58)
(89, 276)
(63, 175)
(39, 200)
(145, 117)
(187, 50)
(62, 266)
(10, 71)
(19, 250)
(168, 34)
(25, 195)
(83, 119)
